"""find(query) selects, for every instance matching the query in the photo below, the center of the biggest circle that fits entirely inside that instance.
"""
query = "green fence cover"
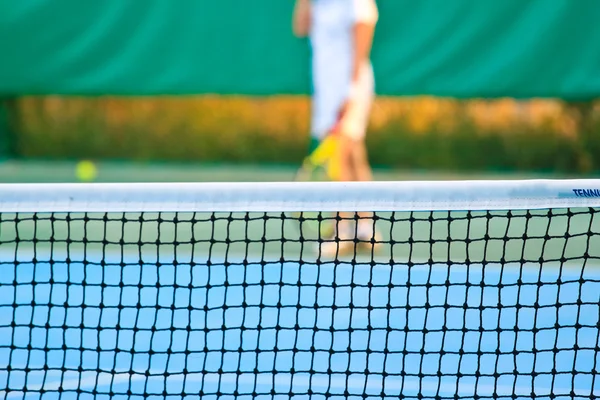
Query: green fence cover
(461, 48)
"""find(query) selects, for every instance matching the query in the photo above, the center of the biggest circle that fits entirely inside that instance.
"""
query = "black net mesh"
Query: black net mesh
(440, 305)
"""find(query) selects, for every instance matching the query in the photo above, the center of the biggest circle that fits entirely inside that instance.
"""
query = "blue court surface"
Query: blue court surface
(147, 352)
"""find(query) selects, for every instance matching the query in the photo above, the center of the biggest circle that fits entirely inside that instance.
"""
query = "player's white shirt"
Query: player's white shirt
(331, 36)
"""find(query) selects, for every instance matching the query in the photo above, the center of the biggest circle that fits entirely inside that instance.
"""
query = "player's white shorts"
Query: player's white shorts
(330, 96)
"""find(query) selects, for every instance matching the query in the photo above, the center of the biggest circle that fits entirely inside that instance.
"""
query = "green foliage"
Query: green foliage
(275, 131)
(6, 135)
(465, 152)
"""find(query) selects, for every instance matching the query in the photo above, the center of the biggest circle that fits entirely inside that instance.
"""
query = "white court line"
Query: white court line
(317, 381)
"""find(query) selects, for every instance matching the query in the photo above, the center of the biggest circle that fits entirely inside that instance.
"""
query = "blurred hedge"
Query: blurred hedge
(6, 137)
(427, 133)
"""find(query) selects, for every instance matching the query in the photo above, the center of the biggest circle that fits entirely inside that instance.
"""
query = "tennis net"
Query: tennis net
(418, 290)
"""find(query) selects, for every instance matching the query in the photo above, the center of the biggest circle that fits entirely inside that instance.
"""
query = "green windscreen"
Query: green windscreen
(459, 48)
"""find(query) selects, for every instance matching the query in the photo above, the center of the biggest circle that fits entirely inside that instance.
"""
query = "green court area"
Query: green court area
(515, 238)
(35, 171)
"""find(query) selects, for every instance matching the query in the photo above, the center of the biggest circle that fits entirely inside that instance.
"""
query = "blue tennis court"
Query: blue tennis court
(278, 328)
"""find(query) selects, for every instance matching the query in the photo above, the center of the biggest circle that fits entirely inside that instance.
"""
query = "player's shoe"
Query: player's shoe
(348, 239)
(338, 244)
(369, 238)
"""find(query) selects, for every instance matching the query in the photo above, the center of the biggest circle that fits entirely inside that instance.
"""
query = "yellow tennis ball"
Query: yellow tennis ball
(86, 171)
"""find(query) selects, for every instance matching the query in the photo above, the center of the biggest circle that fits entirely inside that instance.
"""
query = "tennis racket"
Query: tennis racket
(320, 165)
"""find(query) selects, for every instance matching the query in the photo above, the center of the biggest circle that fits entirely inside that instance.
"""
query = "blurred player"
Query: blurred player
(341, 36)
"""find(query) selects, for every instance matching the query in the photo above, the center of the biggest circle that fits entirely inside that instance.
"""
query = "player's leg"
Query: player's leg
(356, 123)
(355, 167)
(355, 128)
(344, 159)
(326, 105)
(360, 162)
(341, 241)
(352, 165)
(344, 232)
